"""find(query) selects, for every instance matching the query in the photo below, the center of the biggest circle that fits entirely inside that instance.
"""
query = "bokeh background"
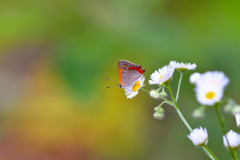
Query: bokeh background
(55, 55)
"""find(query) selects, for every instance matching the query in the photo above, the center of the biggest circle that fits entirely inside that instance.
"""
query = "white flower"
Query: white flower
(210, 86)
(213, 78)
(237, 116)
(208, 94)
(132, 90)
(162, 75)
(194, 77)
(199, 136)
(183, 66)
(233, 139)
(154, 94)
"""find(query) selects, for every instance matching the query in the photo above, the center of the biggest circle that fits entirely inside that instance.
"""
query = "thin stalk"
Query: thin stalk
(179, 85)
(177, 109)
(168, 102)
(144, 90)
(209, 151)
(235, 154)
(220, 120)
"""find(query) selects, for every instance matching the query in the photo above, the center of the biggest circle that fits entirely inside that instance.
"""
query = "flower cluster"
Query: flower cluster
(161, 76)
(209, 89)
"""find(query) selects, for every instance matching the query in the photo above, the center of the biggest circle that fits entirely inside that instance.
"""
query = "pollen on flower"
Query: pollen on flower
(161, 76)
(136, 86)
(210, 95)
(214, 82)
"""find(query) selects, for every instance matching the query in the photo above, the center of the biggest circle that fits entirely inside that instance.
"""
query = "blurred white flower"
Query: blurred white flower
(233, 139)
(132, 91)
(194, 77)
(210, 87)
(213, 78)
(199, 136)
(183, 66)
(162, 75)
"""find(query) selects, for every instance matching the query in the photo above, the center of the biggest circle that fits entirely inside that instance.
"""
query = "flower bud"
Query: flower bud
(159, 114)
(236, 109)
(228, 108)
(163, 94)
(154, 94)
(159, 109)
(198, 113)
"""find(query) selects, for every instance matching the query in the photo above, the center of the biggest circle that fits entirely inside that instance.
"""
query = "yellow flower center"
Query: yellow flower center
(184, 66)
(210, 95)
(136, 86)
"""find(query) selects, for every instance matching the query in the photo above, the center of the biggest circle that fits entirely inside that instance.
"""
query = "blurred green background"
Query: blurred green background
(55, 55)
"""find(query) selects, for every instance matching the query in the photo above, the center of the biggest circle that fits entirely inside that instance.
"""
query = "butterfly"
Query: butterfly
(128, 73)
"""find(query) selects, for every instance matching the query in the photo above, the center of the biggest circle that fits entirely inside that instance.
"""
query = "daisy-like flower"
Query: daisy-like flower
(213, 78)
(132, 90)
(208, 94)
(237, 116)
(183, 66)
(233, 139)
(162, 75)
(199, 136)
(210, 87)
(194, 77)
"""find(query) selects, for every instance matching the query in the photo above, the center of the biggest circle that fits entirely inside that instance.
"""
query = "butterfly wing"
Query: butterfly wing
(129, 73)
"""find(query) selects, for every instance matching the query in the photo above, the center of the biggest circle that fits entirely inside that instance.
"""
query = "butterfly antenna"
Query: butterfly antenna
(111, 79)
(112, 85)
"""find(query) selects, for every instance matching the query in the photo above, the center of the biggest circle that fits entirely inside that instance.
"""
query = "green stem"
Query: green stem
(144, 90)
(206, 150)
(168, 102)
(220, 119)
(235, 154)
(177, 109)
(209, 151)
(179, 84)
